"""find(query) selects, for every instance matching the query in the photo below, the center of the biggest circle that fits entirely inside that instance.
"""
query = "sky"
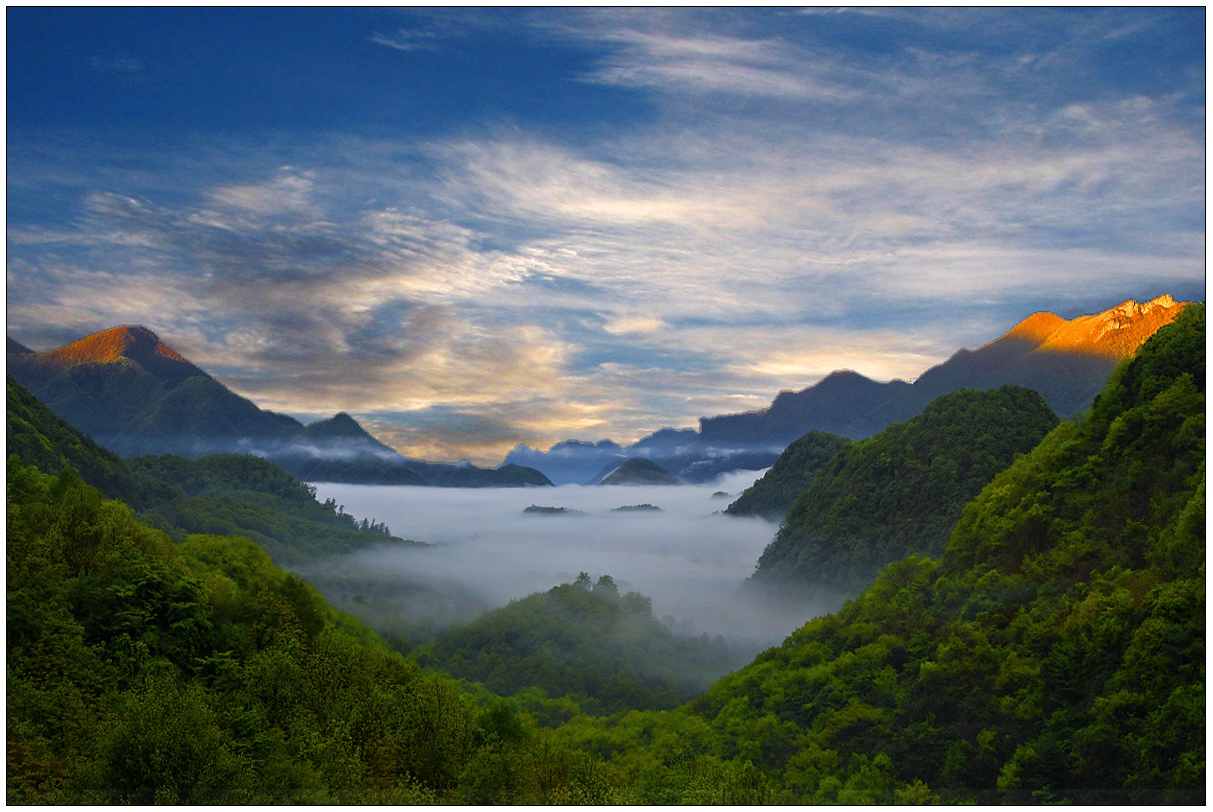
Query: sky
(472, 229)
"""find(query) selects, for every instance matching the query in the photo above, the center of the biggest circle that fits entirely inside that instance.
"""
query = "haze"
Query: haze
(689, 559)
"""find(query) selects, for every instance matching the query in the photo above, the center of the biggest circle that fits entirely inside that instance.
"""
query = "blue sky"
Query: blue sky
(478, 228)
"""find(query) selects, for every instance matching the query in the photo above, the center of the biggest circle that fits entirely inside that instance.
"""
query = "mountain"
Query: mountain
(679, 451)
(38, 437)
(585, 643)
(571, 462)
(639, 471)
(135, 395)
(1067, 362)
(900, 492)
(775, 491)
(829, 405)
(230, 494)
(1054, 653)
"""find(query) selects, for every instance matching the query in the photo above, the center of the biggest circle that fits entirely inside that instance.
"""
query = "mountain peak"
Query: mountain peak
(1037, 327)
(133, 342)
(639, 471)
(1116, 332)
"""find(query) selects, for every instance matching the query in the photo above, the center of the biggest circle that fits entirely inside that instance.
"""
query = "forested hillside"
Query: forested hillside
(773, 495)
(228, 494)
(143, 671)
(901, 491)
(1055, 653)
(583, 642)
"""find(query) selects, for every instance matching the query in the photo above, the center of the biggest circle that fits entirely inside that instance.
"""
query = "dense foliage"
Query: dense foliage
(34, 433)
(140, 671)
(585, 643)
(1055, 653)
(773, 495)
(250, 479)
(901, 491)
(225, 494)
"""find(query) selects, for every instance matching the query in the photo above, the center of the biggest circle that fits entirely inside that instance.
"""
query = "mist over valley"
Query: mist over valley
(484, 550)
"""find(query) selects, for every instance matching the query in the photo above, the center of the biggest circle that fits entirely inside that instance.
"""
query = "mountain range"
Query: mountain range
(135, 395)
(1066, 361)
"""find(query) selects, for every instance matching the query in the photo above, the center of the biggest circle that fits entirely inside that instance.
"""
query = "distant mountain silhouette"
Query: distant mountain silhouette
(17, 348)
(679, 451)
(570, 462)
(639, 471)
(1066, 361)
(135, 395)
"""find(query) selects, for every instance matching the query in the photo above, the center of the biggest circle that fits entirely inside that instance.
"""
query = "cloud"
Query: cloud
(791, 204)
(405, 39)
(626, 325)
(689, 559)
(705, 64)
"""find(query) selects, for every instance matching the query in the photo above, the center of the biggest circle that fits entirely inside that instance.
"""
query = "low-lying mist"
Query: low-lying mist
(484, 551)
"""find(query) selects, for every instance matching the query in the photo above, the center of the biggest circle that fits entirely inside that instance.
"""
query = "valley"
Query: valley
(689, 560)
(1051, 650)
(584, 406)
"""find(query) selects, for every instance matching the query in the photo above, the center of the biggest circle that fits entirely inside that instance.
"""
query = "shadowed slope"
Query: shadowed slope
(135, 395)
(1067, 362)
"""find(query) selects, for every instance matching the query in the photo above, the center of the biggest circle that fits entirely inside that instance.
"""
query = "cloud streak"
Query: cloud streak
(798, 199)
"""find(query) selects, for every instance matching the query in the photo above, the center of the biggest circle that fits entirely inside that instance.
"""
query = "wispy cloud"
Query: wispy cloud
(793, 206)
(406, 39)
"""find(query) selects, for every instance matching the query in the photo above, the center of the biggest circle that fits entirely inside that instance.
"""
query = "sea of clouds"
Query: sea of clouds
(484, 551)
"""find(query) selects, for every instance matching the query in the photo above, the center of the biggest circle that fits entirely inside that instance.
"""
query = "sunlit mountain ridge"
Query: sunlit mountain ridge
(136, 395)
(1067, 361)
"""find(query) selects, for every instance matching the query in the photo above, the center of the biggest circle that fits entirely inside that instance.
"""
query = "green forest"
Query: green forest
(773, 495)
(901, 491)
(1045, 646)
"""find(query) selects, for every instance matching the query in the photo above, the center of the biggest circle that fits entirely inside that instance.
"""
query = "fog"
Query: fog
(484, 551)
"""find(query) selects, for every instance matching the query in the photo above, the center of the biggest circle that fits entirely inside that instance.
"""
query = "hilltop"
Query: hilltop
(901, 491)
(639, 471)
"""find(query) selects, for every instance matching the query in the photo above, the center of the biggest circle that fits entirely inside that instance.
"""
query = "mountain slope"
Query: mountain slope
(639, 471)
(38, 437)
(1056, 653)
(773, 495)
(604, 651)
(135, 395)
(901, 492)
(1067, 362)
(225, 494)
